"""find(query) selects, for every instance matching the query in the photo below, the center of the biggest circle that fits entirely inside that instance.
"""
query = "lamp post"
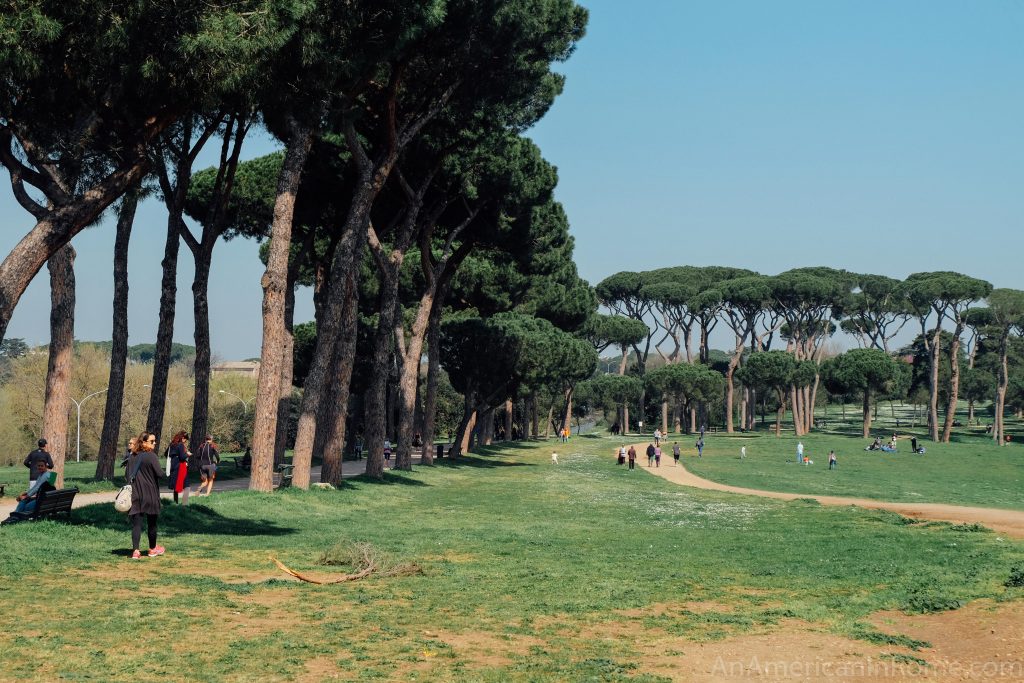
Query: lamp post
(78, 429)
(245, 404)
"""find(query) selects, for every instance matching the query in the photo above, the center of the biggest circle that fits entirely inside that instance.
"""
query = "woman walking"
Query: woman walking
(207, 458)
(144, 474)
(178, 454)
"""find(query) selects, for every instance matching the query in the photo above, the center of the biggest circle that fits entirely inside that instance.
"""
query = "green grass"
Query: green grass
(970, 470)
(527, 567)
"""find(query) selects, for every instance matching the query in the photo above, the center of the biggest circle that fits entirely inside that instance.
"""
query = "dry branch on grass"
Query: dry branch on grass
(366, 559)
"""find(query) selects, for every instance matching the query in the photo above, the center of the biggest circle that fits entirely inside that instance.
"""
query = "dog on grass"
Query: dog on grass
(554, 458)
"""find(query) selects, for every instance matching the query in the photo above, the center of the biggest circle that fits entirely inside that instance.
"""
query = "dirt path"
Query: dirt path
(1009, 522)
(348, 469)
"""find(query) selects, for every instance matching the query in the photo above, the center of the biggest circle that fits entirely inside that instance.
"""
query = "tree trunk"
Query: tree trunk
(201, 334)
(339, 290)
(509, 408)
(55, 230)
(275, 284)
(1004, 380)
(486, 426)
(780, 414)
(954, 382)
(380, 365)
(797, 417)
(625, 418)
(867, 413)
(729, 387)
(58, 369)
(287, 375)
(664, 417)
(165, 328)
(433, 369)
(933, 387)
(466, 424)
(567, 418)
(343, 364)
(110, 436)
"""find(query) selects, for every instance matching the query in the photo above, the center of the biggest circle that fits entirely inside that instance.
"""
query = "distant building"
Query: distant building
(248, 368)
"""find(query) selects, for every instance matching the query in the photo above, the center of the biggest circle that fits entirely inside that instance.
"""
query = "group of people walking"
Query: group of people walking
(143, 472)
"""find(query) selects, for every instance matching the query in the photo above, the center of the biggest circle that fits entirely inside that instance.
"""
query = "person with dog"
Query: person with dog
(207, 457)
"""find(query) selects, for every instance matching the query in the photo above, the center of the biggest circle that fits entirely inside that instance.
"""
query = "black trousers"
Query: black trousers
(137, 530)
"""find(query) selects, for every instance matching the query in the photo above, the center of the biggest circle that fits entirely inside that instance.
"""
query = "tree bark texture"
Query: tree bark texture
(201, 335)
(58, 369)
(165, 327)
(275, 284)
(954, 382)
(933, 386)
(110, 436)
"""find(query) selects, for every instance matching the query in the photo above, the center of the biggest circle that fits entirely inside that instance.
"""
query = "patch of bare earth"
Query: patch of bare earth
(981, 642)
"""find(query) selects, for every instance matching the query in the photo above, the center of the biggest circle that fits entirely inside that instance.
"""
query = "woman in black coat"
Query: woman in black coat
(145, 493)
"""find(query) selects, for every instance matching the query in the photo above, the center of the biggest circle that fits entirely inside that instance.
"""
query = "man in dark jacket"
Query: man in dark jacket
(38, 455)
(43, 482)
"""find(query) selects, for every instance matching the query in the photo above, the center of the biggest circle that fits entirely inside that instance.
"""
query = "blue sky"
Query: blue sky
(875, 136)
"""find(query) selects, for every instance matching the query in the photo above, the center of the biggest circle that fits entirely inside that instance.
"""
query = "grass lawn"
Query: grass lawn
(970, 470)
(530, 572)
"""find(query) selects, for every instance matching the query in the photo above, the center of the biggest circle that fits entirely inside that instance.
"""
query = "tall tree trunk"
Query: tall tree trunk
(466, 424)
(287, 374)
(343, 365)
(165, 328)
(954, 382)
(201, 334)
(729, 387)
(625, 418)
(780, 414)
(275, 285)
(567, 418)
(797, 416)
(433, 370)
(58, 368)
(380, 365)
(664, 417)
(509, 407)
(933, 386)
(340, 290)
(110, 436)
(486, 426)
(867, 413)
(1004, 380)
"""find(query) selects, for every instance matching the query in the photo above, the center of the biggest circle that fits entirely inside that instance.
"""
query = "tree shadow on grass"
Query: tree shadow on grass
(390, 478)
(478, 462)
(177, 519)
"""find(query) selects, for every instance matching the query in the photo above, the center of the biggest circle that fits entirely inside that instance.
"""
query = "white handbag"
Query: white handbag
(123, 499)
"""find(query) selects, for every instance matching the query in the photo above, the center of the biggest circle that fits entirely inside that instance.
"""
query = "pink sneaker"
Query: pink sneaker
(136, 555)
(157, 551)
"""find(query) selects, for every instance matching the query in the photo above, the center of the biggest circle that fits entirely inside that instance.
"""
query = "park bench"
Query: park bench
(286, 475)
(49, 504)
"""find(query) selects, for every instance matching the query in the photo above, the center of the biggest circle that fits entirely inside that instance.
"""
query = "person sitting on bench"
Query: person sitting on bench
(45, 480)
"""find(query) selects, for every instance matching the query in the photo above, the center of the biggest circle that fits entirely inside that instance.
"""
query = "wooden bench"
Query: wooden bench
(49, 504)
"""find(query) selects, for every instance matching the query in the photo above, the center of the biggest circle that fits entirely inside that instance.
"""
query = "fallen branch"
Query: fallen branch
(363, 556)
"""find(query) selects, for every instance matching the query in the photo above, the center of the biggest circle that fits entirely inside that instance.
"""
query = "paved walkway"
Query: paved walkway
(1009, 522)
(349, 468)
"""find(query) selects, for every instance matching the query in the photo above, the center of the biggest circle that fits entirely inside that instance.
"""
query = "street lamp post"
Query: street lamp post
(78, 430)
(245, 404)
